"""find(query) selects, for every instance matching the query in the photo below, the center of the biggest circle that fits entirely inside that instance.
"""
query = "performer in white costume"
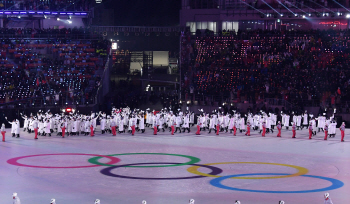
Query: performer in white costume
(16, 199)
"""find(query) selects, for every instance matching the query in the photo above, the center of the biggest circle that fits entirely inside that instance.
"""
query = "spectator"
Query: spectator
(297, 66)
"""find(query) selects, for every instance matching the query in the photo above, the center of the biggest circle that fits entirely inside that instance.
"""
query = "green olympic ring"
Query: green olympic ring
(193, 160)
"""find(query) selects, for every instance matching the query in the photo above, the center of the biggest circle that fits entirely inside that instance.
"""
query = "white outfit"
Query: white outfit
(103, 124)
(141, 123)
(17, 127)
(332, 128)
(242, 124)
(186, 122)
(268, 122)
(41, 127)
(232, 122)
(13, 127)
(25, 125)
(16, 200)
(305, 121)
(321, 122)
(47, 127)
(178, 121)
(298, 120)
(75, 126)
(286, 121)
(121, 126)
(87, 126)
(328, 201)
(313, 124)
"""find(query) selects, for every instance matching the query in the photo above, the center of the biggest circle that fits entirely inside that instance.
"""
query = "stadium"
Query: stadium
(103, 101)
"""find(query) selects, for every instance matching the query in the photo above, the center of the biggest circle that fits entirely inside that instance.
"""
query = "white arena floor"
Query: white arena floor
(305, 169)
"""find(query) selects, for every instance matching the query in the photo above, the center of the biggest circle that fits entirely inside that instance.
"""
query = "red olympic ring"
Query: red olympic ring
(14, 161)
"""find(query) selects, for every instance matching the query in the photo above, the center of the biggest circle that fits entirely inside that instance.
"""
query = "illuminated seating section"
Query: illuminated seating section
(45, 5)
(286, 63)
(32, 69)
(295, 3)
(66, 33)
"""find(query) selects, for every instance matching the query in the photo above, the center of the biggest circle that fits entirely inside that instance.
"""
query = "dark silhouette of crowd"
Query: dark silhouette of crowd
(302, 67)
(55, 71)
(64, 33)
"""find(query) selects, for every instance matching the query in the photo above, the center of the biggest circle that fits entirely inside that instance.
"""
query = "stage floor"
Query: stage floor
(305, 169)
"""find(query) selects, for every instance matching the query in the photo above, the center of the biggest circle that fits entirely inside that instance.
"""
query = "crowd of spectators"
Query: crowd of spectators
(302, 67)
(255, 4)
(300, 4)
(51, 71)
(64, 33)
(45, 5)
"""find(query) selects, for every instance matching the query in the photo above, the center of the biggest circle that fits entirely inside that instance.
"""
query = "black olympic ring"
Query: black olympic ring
(107, 171)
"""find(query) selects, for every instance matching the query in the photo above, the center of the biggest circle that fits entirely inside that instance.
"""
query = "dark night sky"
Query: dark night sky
(145, 12)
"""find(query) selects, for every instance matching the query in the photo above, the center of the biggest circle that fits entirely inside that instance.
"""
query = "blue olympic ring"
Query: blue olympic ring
(335, 184)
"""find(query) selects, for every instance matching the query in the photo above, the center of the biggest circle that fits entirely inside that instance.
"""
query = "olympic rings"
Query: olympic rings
(14, 161)
(107, 171)
(215, 171)
(335, 184)
(301, 170)
(193, 160)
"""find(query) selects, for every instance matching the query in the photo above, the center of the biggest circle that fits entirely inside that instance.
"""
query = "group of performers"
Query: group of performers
(125, 119)
(266, 123)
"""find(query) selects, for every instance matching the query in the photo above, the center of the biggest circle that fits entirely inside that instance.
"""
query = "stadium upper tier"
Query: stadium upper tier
(262, 5)
(45, 5)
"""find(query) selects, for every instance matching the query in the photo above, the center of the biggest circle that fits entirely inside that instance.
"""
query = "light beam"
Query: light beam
(322, 6)
(310, 8)
(286, 7)
(270, 7)
(252, 7)
(341, 5)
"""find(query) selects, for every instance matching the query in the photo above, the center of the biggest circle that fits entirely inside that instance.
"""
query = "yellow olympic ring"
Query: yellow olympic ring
(301, 170)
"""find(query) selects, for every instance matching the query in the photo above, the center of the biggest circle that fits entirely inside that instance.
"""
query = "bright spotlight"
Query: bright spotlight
(70, 22)
(303, 16)
(347, 15)
(19, 17)
(58, 19)
(309, 14)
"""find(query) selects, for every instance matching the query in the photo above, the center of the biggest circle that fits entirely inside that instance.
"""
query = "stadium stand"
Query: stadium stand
(51, 71)
(45, 5)
(302, 67)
